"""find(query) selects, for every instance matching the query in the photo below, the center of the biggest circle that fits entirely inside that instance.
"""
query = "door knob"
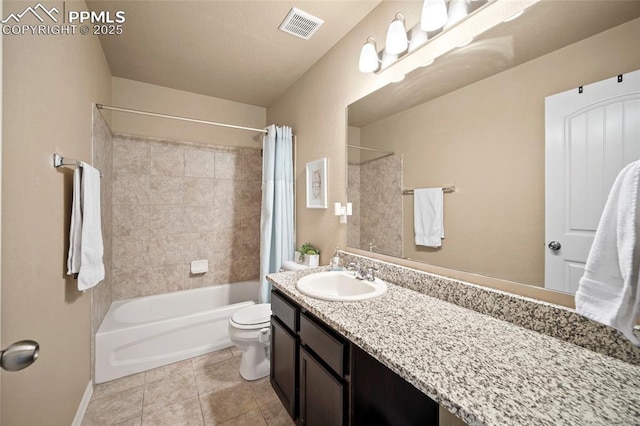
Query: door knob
(19, 355)
(554, 245)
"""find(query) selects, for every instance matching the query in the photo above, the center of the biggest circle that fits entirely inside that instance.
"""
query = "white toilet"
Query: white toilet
(250, 331)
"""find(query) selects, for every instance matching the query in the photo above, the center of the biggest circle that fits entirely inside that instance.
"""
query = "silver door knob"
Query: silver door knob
(554, 245)
(19, 355)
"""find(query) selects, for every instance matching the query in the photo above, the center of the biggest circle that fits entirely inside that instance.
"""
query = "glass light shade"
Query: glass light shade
(369, 60)
(397, 41)
(434, 15)
(457, 11)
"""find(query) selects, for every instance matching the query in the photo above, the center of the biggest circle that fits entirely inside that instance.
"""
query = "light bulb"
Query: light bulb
(369, 60)
(434, 15)
(397, 41)
(457, 11)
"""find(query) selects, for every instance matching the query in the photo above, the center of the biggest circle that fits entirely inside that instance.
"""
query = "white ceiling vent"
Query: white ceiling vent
(300, 24)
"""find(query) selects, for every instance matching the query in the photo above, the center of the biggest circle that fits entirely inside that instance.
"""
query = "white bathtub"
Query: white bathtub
(148, 332)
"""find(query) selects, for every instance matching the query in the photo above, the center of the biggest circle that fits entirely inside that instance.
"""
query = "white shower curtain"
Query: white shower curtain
(276, 222)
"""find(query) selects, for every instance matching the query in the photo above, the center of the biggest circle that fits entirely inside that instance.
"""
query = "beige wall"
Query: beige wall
(315, 106)
(488, 140)
(148, 97)
(49, 84)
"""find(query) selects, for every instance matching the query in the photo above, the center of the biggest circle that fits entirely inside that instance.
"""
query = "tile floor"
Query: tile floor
(206, 390)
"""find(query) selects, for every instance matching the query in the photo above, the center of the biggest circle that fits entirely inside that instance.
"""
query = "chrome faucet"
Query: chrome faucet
(368, 273)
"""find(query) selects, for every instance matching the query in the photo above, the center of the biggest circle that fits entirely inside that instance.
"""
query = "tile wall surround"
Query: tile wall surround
(377, 197)
(102, 142)
(353, 196)
(546, 318)
(175, 202)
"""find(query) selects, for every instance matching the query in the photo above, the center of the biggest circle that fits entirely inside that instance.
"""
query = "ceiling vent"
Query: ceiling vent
(300, 24)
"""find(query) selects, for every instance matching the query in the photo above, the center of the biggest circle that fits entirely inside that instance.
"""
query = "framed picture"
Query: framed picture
(317, 184)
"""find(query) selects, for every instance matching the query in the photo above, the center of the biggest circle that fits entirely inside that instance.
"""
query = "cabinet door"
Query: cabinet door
(284, 365)
(381, 397)
(321, 394)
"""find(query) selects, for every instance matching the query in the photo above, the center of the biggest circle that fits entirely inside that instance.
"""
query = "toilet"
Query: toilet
(250, 331)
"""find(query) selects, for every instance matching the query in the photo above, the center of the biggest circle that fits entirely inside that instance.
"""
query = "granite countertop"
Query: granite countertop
(484, 370)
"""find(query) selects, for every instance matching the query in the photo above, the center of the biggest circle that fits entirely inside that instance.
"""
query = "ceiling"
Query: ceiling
(543, 28)
(226, 49)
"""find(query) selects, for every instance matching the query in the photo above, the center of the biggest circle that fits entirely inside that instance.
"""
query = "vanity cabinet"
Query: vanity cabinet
(284, 352)
(323, 379)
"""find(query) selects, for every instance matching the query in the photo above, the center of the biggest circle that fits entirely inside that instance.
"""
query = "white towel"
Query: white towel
(75, 230)
(91, 266)
(428, 216)
(609, 290)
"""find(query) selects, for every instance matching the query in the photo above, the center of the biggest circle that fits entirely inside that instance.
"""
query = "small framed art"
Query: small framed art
(317, 184)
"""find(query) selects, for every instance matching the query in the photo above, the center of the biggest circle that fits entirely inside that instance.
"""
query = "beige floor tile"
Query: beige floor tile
(179, 368)
(227, 403)
(170, 390)
(185, 413)
(276, 415)
(218, 376)
(113, 409)
(114, 386)
(263, 391)
(236, 352)
(252, 418)
(212, 358)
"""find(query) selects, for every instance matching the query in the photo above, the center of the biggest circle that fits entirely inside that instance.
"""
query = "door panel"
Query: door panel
(590, 137)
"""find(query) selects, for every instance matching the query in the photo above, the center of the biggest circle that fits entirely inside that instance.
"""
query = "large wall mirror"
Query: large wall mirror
(475, 119)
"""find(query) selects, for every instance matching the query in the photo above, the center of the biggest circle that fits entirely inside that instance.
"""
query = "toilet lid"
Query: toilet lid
(253, 315)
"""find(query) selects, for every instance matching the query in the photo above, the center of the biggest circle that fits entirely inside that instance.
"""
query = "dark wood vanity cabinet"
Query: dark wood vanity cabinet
(284, 352)
(323, 379)
(381, 397)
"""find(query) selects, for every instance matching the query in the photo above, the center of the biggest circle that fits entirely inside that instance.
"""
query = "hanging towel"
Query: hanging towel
(428, 216)
(609, 290)
(75, 230)
(91, 266)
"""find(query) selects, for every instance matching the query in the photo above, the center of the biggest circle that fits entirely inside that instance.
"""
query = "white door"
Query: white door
(590, 137)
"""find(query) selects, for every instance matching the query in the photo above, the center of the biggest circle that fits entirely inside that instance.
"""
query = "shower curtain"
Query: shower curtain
(276, 223)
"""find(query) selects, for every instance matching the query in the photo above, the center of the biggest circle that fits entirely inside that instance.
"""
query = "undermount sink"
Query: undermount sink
(341, 286)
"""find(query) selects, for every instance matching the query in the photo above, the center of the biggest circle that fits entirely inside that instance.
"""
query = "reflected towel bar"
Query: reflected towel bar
(445, 190)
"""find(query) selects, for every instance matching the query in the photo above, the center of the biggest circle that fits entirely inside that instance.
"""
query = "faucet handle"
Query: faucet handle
(371, 273)
(353, 266)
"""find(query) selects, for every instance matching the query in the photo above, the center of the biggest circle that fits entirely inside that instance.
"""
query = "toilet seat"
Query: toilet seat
(252, 317)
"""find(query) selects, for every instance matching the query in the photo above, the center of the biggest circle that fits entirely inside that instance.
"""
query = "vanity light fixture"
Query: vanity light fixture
(343, 211)
(369, 60)
(464, 43)
(436, 18)
(429, 62)
(434, 15)
(397, 41)
(514, 16)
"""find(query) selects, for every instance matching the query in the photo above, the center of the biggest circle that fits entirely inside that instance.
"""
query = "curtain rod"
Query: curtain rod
(176, 117)
(370, 149)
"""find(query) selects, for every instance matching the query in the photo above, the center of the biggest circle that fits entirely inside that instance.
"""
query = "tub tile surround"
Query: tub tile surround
(175, 202)
(485, 370)
(376, 193)
(206, 390)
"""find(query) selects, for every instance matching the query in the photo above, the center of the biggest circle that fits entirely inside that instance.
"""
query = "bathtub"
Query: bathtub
(148, 332)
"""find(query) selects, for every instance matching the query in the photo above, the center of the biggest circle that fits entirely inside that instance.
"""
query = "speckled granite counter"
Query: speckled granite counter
(484, 370)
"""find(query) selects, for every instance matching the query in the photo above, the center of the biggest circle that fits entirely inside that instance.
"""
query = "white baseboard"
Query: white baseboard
(84, 403)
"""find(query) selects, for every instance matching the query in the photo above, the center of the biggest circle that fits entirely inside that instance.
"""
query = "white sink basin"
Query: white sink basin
(340, 286)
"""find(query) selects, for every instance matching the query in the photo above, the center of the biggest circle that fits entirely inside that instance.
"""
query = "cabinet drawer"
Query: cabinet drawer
(284, 310)
(330, 349)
